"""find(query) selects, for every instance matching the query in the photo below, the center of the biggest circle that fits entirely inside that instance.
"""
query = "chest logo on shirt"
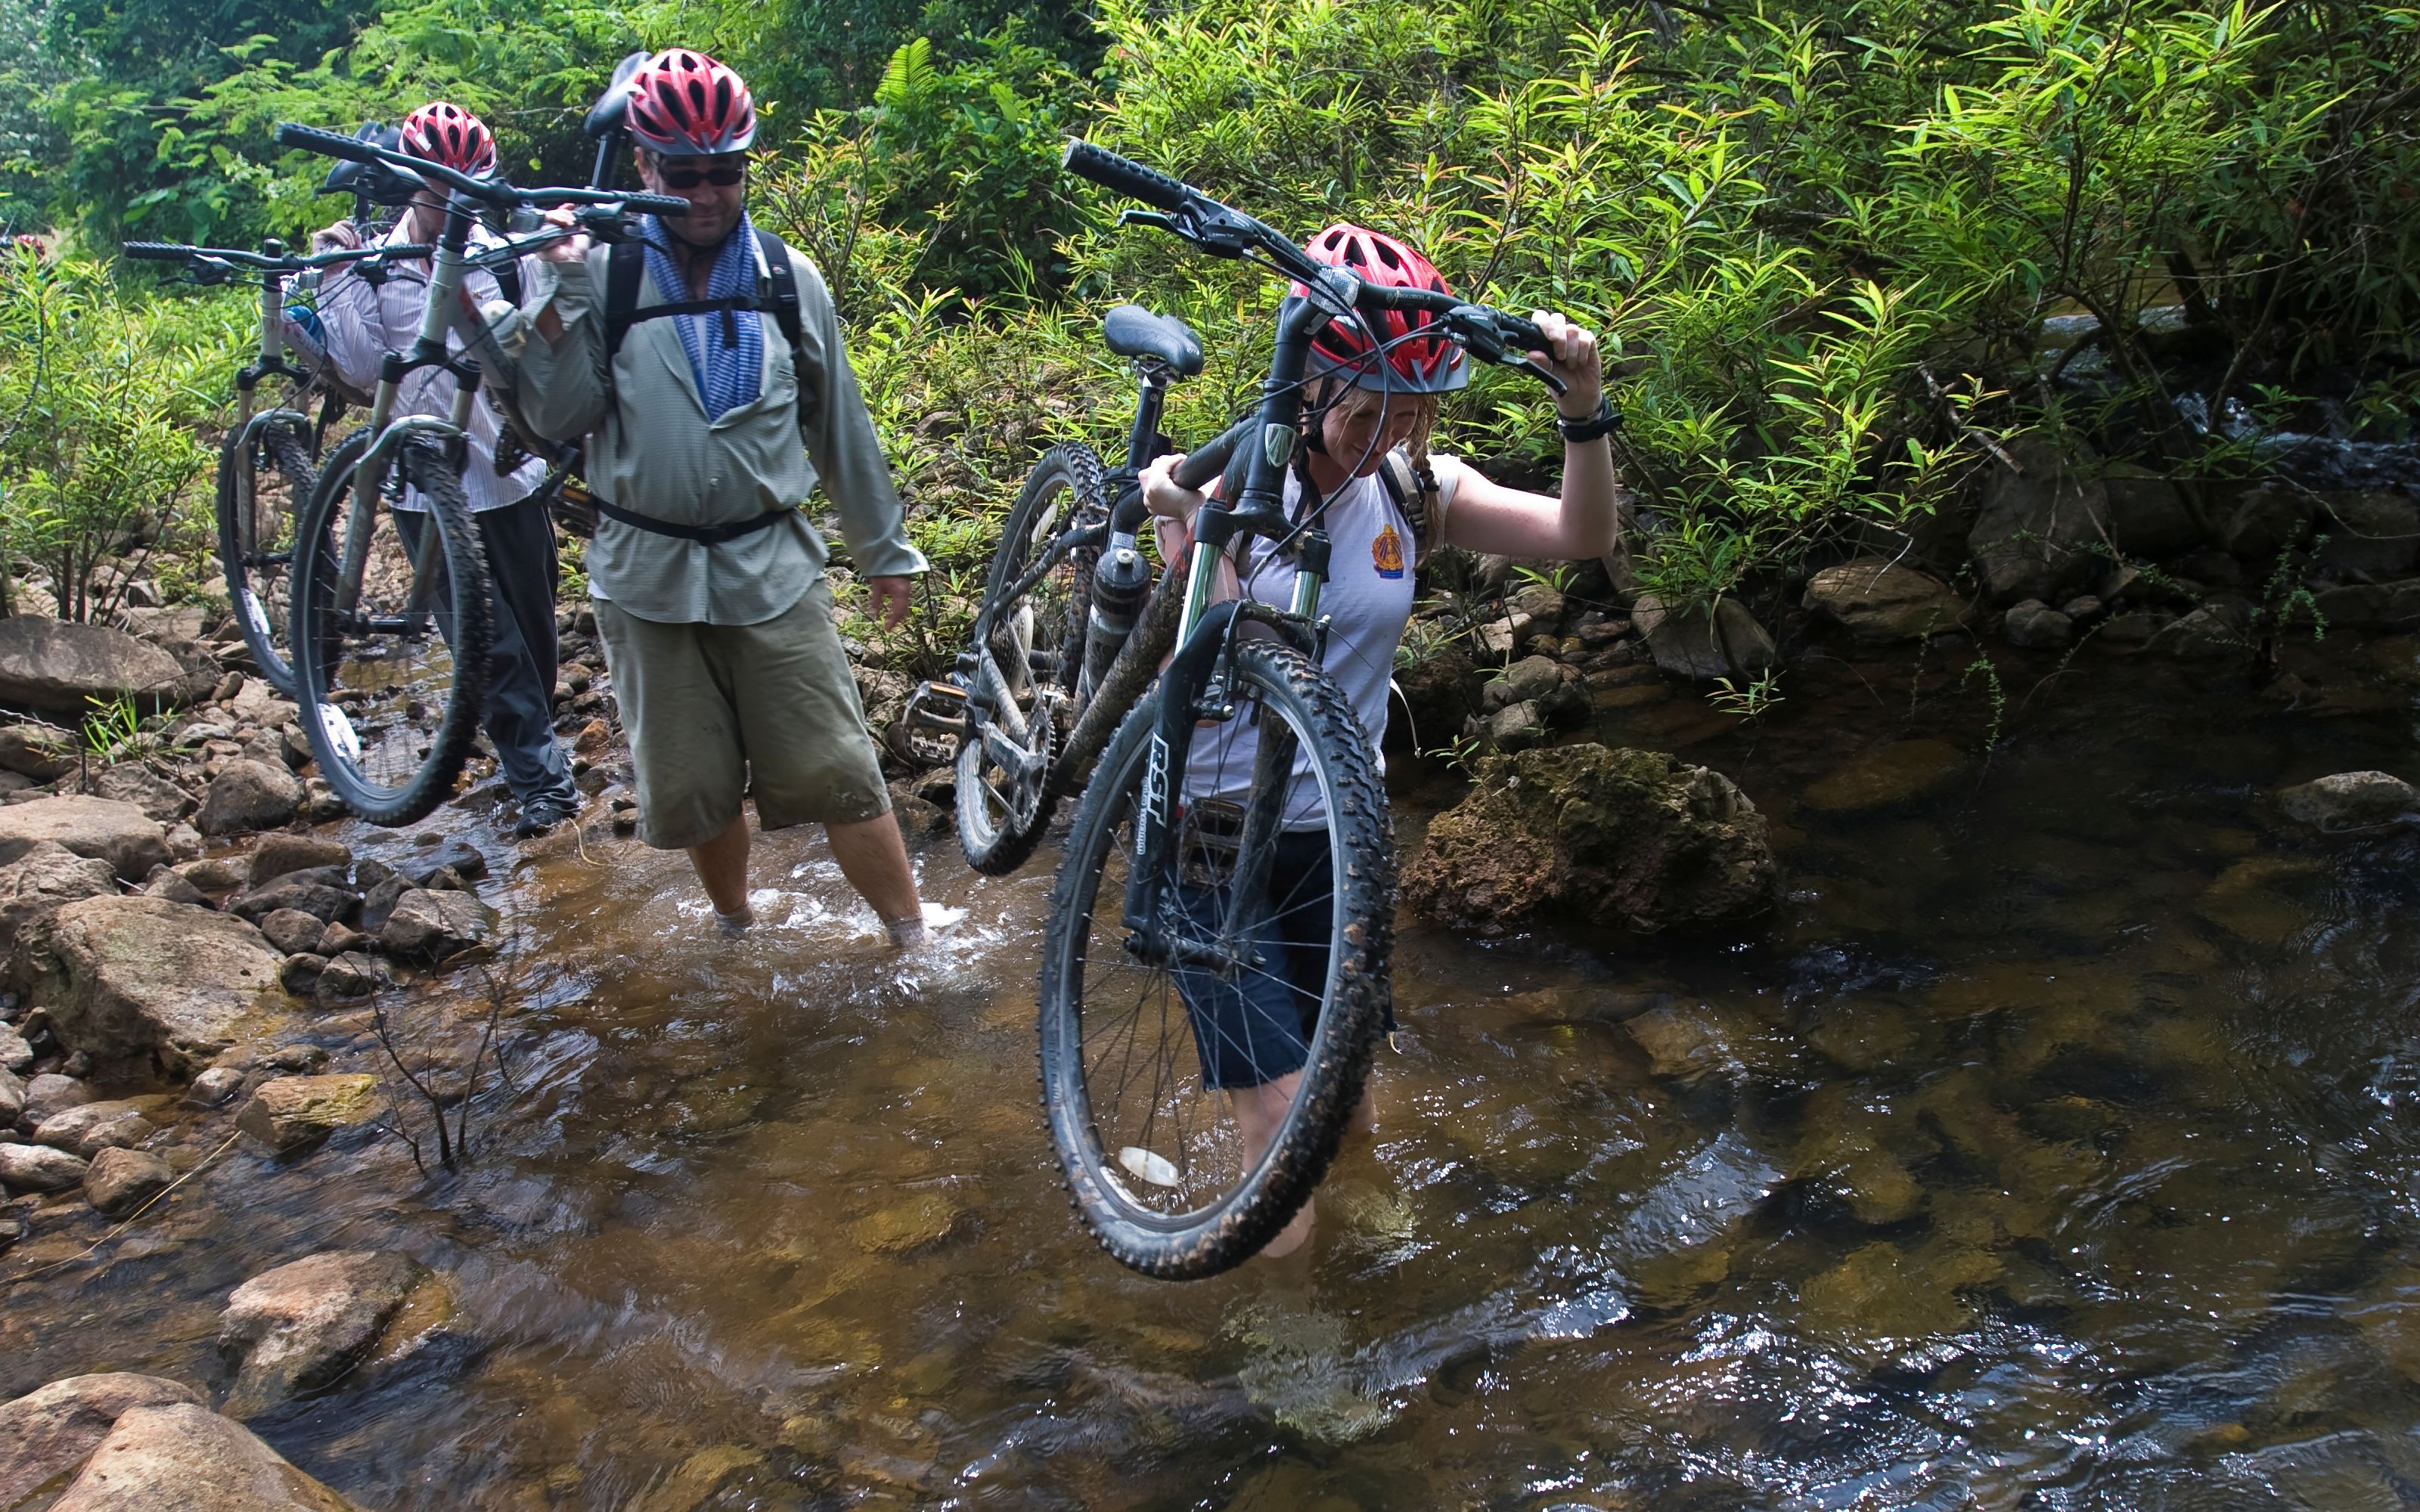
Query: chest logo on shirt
(1386, 552)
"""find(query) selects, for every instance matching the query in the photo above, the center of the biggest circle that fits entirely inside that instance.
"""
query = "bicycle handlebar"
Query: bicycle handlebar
(1128, 178)
(223, 261)
(487, 191)
(1496, 335)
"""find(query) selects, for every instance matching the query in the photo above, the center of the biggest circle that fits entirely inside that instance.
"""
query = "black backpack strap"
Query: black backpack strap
(624, 266)
(782, 286)
(1413, 491)
(508, 281)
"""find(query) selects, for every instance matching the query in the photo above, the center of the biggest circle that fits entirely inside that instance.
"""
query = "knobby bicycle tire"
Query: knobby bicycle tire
(260, 591)
(1067, 488)
(320, 646)
(1231, 1228)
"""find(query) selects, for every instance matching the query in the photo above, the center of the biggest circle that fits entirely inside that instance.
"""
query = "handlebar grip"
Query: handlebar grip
(656, 204)
(1522, 333)
(1209, 459)
(1125, 176)
(158, 251)
(326, 143)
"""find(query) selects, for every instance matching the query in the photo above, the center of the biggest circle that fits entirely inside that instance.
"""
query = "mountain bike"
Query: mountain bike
(392, 634)
(1232, 846)
(268, 464)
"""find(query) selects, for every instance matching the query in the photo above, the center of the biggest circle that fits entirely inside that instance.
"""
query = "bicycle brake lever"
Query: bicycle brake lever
(1542, 374)
(1150, 218)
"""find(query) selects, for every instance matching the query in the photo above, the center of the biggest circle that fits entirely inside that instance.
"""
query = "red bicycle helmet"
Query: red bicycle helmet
(444, 133)
(1412, 363)
(683, 104)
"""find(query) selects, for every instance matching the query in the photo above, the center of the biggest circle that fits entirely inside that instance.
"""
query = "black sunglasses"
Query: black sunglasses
(692, 178)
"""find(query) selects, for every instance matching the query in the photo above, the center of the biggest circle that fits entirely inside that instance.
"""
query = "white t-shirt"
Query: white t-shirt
(1367, 601)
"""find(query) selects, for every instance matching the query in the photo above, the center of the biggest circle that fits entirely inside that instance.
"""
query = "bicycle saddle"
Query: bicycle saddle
(1132, 330)
(606, 114)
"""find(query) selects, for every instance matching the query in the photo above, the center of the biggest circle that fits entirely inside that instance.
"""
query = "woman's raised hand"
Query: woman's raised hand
(1575, 360)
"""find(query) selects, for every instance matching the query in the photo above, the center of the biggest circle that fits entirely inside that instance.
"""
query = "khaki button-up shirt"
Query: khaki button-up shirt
(651, 449)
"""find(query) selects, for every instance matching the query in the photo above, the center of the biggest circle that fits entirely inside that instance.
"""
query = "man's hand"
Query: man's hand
(890, 598)
(571, 249)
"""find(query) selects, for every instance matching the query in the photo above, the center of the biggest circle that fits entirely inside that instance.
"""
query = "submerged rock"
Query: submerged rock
(48, 1432)
(39, 1168)
(1877, 599)
(1629, 839)
(298, 1328)
(142, 981)
(1897, 773)
(430, 924)
(2351, 800)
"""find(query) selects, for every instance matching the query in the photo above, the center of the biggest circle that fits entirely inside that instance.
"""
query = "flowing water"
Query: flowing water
(2053, 1144)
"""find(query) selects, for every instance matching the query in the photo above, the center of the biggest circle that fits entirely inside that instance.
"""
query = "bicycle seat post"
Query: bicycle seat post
(1142, 438)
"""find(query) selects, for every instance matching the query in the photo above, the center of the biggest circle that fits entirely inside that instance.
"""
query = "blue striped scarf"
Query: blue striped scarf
(729, 373)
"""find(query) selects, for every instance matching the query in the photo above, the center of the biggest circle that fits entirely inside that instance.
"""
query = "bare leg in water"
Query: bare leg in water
(870, 853)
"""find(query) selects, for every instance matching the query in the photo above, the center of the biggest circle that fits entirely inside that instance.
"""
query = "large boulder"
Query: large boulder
(1879, 600)
(298, 1328)
(191, 1458)
(63, 667)
(2376, 536)
(432, 925)
(247, 796)
(1726, 642)
(1626, 839)
(44, 877)
(2032, 538)
(2149, 515)
(292, 1114)
(48, 1432)
(145, 984)
(131, 840)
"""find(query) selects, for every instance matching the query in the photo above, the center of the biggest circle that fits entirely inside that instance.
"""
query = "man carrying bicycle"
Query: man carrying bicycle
(1371, 399)
(360, 324)
(695, 361)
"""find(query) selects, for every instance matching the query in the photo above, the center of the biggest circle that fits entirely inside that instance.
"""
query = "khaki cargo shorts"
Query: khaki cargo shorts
(715, 712)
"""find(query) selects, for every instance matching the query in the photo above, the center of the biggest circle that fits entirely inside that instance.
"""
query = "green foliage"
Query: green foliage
(102, 395)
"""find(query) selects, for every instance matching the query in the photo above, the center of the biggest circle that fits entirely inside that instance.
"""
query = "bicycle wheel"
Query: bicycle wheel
(390, 690)
(264, 480)
(1037, 644)
(1194, 1107)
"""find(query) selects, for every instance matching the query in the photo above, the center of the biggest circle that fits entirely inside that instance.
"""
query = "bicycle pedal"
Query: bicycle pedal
(939, 707)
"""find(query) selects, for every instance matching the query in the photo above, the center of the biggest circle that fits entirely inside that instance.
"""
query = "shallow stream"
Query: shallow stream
(2053, 1144)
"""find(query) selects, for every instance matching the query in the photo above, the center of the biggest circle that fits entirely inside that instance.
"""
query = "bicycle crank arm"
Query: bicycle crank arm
(1010, 756)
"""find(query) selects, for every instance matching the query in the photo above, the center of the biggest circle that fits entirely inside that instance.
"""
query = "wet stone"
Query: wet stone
(214, 1087)
(47, 1433)
(300, 1327)
(2351, 800)
(50, 1092)
(322, 901)
(300, 973)
(291, 1113)
(121, 1180)
(281, 853)
(88, 1129)
(291, 929)
(2035, 626)
(39, 1168)
(353, 974)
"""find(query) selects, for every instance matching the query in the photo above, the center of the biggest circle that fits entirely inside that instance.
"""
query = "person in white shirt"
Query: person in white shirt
(361, 323)
(1368, 393)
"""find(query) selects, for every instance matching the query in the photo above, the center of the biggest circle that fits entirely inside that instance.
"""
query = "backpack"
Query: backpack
(777, 293)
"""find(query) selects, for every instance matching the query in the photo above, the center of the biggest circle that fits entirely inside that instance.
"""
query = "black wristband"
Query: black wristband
(1595, 427)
